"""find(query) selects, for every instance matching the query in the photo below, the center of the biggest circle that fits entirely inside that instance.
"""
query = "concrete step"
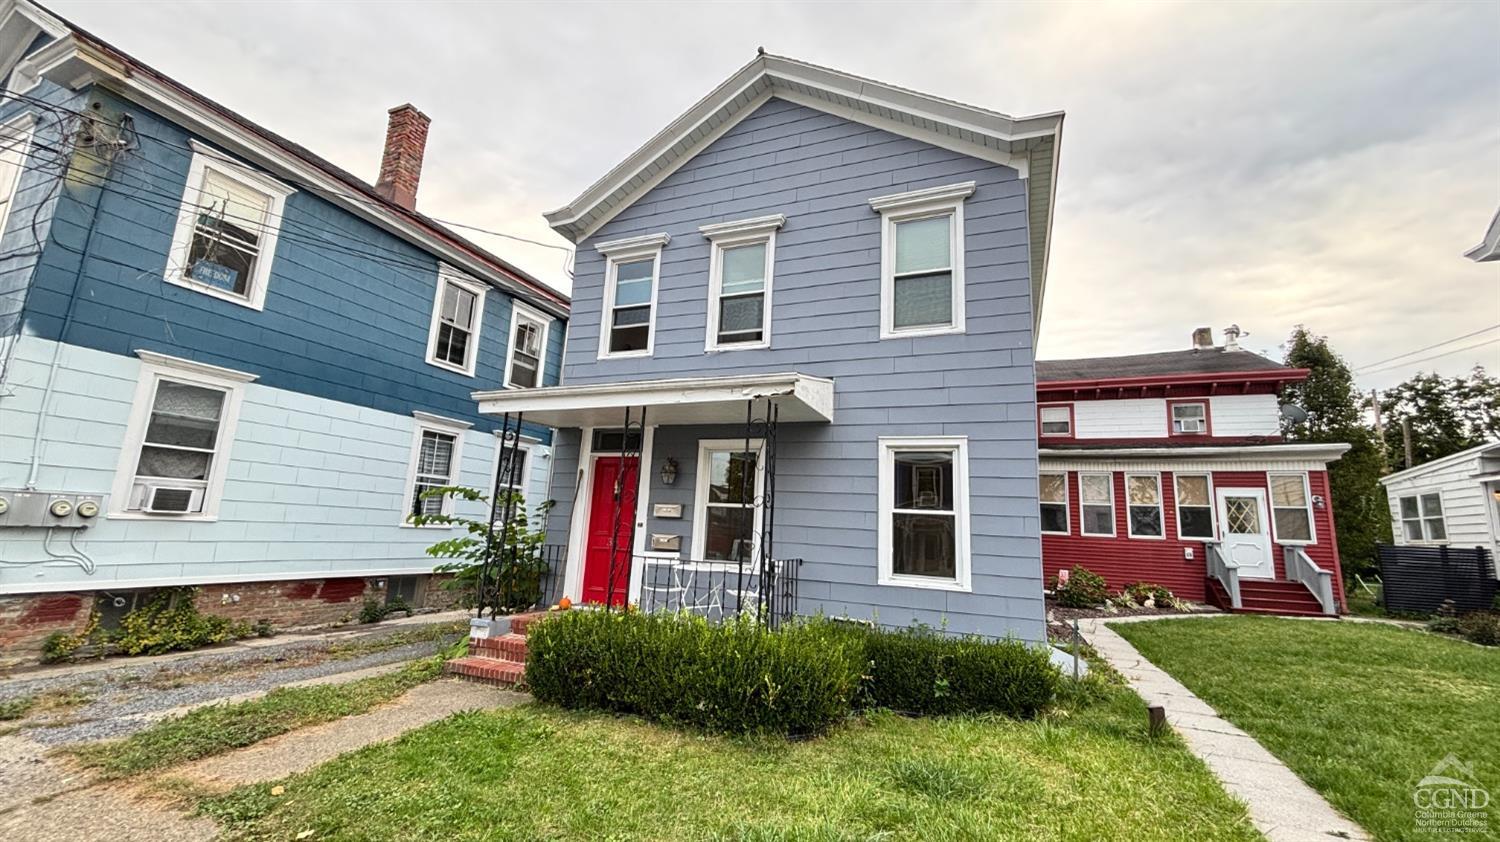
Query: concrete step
(488, 670)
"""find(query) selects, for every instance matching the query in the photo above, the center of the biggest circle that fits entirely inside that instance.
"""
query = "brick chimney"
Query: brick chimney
(1203, 339)
(401, 165)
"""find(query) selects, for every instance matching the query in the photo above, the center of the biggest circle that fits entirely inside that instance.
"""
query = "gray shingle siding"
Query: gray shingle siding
(820, 171)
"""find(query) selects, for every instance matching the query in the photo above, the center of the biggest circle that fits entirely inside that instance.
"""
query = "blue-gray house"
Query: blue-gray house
(224, 361)
(800, 357)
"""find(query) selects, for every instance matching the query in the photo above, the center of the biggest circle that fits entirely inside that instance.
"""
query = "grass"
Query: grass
(219, 728)
(1359, 711)
(536, 772)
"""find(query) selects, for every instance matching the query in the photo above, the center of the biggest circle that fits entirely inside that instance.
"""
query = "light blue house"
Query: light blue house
(223, 360)
(799, 368)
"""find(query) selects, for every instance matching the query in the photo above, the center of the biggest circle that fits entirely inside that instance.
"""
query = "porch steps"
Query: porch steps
(500, 661)
(1268, 596)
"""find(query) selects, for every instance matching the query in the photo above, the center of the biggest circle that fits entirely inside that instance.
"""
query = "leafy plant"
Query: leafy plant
(1083, 589)
(170, 621)
(508, 557)
(1481, 627)
(922, 671)
(1446, 619)
(13, 709)
(1139, 592)
(372, 611)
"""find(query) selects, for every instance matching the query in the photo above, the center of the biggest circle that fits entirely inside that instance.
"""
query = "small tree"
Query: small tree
(500, 566)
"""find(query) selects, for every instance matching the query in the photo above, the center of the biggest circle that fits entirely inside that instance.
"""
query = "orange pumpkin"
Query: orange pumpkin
(564, 604)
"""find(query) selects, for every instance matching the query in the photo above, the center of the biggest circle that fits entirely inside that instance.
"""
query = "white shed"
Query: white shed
(1454, 500)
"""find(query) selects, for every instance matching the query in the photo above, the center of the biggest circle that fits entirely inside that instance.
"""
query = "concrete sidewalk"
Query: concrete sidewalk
(1280, 805)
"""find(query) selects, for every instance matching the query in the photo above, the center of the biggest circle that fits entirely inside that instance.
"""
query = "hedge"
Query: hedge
(920, 671)
(734, 677)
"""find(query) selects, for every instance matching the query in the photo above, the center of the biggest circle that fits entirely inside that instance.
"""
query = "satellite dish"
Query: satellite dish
(1293, 413)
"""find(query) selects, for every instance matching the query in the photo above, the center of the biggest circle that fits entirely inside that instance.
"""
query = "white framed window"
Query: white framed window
(525, 361)
(627, 325)
(15, 146)
(457, 314)
(1055, 421)
(1291, 509)
(1096, 498)
(924, 512)
(517, 480)
(1422, 519)
(436, 454)
(922, 261)
(1195, 506)
(1189, 418)
(729, 477)
(175, 456)
(1053, 491)
(226, 232)
(739, 282)
(1143, 506)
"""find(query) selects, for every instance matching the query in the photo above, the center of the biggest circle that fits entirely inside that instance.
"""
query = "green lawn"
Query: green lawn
(1360, 711)
(536, 772)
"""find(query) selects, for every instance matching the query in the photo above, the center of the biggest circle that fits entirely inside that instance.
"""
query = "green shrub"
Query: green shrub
(372, 612)
(1481, 627)
(734, 677)
(1446, 619)
(1084, 589)
(1139, 592)
(920, 671)
(170, 621)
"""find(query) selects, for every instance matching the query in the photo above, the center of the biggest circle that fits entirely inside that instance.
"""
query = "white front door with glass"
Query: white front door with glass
(1247, 532)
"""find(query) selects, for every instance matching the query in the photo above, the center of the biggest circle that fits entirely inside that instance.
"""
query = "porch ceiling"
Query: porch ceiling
(687, 400)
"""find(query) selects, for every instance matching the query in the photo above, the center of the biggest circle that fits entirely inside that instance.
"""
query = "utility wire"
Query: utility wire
(1433, 357)
(1427, 348)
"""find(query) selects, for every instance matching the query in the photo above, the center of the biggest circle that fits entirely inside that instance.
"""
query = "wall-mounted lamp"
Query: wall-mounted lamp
(1496, 492)
(1318, 502)
(669, 471)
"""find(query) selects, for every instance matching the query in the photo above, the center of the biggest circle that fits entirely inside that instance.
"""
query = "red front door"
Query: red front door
(612, 475)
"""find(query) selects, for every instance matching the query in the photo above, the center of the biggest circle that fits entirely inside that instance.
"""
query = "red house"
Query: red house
(1170, 468)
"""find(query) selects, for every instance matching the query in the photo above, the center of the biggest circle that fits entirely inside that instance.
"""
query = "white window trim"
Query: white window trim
(727, 235)
(449, 275)
(1312, 522)
(205, 159)
(425, 422)
(1083, 523)
(16, 135)
(521, 311)
(963, 567)
(1213, 510)
(700, 491)
(1161, 507)
(1067, 506)
(628, 251)
(1041, 420)
(155, 368)
(525, 445)
(1172, 418)
(917, 204)
(1423, 517)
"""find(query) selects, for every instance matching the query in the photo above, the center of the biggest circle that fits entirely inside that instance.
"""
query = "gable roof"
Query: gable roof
(77, 58)
(1480, 451)
(1028, 144)
(1162, 364)
(1489, 249)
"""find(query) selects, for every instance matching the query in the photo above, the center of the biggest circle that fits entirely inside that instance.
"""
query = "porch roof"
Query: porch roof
(685, 400)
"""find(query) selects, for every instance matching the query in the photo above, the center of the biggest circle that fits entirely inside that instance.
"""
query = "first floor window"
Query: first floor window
(1143, 495)
(1053, 489)
(924, 495)
(453, 342)
(1422, 518)
(1097, 497)
(1195, 509)
(528, 338)
(435, 460)
(1056, 421)
(1290, 507)
(226, 230)
(513, 473)
(728, 501)
(1189, 419)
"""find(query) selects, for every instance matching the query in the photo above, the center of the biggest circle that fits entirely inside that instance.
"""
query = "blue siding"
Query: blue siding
(820, 171)
(346, 314)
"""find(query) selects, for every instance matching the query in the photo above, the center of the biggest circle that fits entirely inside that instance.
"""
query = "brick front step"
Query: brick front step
(488, 670)
(520, 622)
(506, 647)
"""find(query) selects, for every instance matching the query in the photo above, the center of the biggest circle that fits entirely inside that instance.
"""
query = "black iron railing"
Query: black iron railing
(717, 590)
(522, 579)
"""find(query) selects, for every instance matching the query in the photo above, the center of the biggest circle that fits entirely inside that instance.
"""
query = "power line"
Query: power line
(1427, 348)
(1434, 356)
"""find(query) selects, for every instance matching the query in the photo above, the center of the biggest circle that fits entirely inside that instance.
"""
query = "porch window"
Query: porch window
(1143, 492)
(924, 520)
(727, 501)
(1195, 509)
(226, 231)
(528, 342)
(1422, 519)
(740, 270)
(1053, 489)
(628, 322)
(457, 309)
(1097, 497)
(1291, 509)
(1056, 421)
(1189, 419)
(922, 261)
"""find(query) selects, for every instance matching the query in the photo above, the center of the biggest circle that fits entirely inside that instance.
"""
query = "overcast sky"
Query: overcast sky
(1260, 164)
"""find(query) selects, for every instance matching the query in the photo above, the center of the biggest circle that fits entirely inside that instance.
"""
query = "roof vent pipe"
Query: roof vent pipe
(1203, 339)
(1232, 336)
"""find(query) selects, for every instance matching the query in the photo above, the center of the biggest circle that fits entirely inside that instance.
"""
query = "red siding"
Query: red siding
(1122, 559)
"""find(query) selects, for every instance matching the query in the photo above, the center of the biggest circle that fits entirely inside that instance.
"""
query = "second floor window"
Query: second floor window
(528, 345)
(922, 266)
(739, 284)
(628, 322)
(15, 143)
(453, 340)
(1056, 421)
(1189, 419)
